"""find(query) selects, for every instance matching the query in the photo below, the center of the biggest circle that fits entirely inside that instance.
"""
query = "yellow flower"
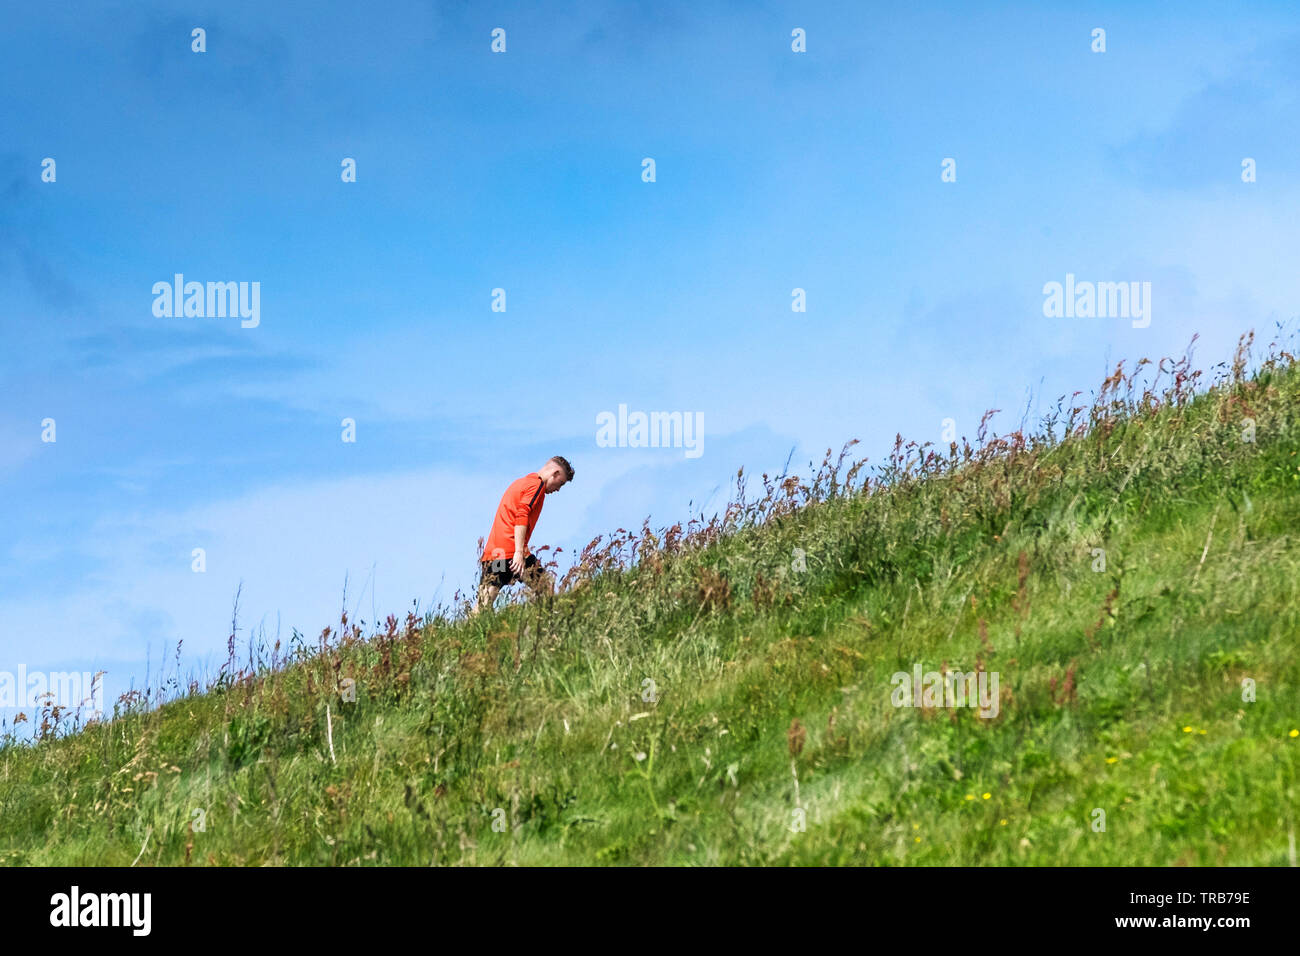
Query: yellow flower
(970, 796)
(1294, 733)
(1002, 822)
(1111, 759)
(1202, 731)
(916, 826)
(1187, 730)
(918, 839)
(987, 795)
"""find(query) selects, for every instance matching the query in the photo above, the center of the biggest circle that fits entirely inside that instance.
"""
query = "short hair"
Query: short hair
(564, 463)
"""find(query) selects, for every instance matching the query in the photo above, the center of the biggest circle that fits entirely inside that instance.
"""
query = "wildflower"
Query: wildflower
(795, 737)
(1187, 730)
(1294, 733)
(1111, 759)
(987, 796)
(970, 796)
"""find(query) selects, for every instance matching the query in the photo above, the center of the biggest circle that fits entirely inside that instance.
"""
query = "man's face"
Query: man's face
(554, 477)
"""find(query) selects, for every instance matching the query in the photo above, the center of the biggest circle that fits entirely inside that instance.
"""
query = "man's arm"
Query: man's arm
(517, 562)
(523, 517)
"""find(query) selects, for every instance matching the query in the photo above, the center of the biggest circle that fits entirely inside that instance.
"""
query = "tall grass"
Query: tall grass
(718, 691)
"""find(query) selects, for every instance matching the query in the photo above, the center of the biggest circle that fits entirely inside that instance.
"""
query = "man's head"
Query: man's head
(556, 473)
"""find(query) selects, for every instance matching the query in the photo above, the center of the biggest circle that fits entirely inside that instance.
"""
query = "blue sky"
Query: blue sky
(522, 171)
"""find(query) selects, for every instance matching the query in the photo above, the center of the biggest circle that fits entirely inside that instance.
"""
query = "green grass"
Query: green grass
(1121, 690)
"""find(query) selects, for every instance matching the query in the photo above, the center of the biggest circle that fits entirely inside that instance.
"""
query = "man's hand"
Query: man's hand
(517, 564)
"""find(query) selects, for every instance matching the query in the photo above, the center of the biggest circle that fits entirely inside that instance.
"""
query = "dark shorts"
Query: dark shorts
(498, 574)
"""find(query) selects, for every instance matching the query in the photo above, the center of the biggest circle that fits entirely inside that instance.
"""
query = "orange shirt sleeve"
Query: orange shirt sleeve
(529, 505)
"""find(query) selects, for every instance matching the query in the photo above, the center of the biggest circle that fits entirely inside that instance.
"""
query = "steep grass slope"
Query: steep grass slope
(722, 694)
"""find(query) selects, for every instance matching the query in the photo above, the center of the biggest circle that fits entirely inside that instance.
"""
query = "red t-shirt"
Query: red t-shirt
(520, 505)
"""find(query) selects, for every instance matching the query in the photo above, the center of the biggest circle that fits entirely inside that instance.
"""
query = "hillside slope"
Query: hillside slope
(722, 693)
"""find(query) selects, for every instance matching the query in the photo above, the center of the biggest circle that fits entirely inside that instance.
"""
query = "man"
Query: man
(506, 558)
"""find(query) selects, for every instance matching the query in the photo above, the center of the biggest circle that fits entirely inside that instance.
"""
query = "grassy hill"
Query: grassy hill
(1127, 570)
